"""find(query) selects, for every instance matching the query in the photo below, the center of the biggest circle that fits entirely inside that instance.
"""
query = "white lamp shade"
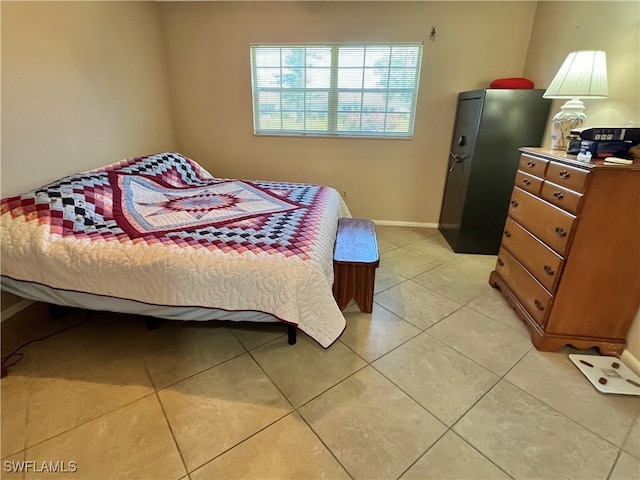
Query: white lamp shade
(582, 75)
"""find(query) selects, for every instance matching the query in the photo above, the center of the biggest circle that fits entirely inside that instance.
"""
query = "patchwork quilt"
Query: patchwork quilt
(162, 230)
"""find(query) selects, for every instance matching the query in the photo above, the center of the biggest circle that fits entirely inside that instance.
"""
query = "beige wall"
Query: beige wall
(398, 180)
(83, 84)
(562, 27)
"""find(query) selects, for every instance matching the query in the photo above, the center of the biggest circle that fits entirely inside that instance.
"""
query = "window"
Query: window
(341, 90)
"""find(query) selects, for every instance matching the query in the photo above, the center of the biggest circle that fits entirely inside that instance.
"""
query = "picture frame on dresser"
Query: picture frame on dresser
(569, 259)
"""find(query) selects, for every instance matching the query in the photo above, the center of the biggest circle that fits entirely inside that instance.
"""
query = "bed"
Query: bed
(160, 236)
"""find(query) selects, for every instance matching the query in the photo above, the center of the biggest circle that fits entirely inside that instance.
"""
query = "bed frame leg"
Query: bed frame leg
(152, 323)
(291, 330)
(56, 312)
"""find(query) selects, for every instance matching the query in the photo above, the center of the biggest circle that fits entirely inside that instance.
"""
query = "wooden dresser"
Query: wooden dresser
(569, 261)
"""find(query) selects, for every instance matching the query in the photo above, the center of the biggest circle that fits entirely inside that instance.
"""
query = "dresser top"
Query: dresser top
(561, 156)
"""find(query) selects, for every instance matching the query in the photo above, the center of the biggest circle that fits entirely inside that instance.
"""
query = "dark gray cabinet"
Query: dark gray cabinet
(491, 125)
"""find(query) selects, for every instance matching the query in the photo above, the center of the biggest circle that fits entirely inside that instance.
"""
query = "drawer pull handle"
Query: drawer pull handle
(507, 233)
(526, 181)
(564, 174)
(561, 232)
(558, 195)
(538, 305)
(531, 163)
(514, 203)
(500, 262)
(549, 270)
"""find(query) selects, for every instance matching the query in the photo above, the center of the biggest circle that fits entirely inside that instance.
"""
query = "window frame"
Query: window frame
(334, 90)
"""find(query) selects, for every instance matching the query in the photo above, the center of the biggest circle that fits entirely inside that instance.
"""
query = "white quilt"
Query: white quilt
(161, 230)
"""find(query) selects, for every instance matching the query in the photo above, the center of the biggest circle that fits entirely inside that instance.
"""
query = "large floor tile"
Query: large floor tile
(386, 278)
(442, 380)
(177, 350)
(35, 322)
(632, 444)
(132, 442)
(371, 335)
(455, 283)
(627, 468)
(451, 458)
(13, 466)
(304, 370)
(528, 439)
(435, 248)
(568, 391)
(217, 409)
(254, 334)
(405, 263)
(493, 305)
(482, 339)
(480, 265)
(399, 236)
(14, 408)
(95, 368)
(372, 427)
(288, 449)
(416, 304)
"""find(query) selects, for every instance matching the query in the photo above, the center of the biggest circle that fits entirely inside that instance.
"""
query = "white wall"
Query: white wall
(83, 85)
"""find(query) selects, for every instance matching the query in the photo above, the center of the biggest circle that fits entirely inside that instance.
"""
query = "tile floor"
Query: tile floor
(440, 382)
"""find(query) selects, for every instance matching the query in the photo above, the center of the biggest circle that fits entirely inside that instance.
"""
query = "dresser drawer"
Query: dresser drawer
(528, 182)
(532, 165)
(562, 197)
(531, 294)
(566, 176)
(550, 224)
(542, 262)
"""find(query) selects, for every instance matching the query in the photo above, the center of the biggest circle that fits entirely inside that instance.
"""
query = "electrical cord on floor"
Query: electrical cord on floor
(17, 353)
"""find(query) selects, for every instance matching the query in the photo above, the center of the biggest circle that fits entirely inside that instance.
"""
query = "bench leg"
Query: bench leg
(363, 294)
(354, 282)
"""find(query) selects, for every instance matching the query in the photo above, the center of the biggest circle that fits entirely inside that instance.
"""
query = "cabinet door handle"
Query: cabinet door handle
(549, 270)
(561, 232)
(564, 174)
(507, 233)
(500, 262)
(558, 195)
(531, 163)
(514, 203)
(526, 181)
(538, 305)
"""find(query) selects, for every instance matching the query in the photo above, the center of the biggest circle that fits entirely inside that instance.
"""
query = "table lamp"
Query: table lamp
(582, 75)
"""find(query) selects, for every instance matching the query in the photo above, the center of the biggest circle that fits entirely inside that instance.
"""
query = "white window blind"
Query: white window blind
(335, 90)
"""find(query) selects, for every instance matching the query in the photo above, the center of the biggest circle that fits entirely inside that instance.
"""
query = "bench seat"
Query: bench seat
(355, 260)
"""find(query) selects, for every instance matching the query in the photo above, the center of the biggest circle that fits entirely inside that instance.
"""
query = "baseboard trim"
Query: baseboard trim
(15, 309)
(392, 223)
(630, 361)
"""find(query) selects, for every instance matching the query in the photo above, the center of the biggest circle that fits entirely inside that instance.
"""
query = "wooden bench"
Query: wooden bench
(355, 260)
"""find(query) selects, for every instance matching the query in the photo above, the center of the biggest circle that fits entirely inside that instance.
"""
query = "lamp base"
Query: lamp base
(570, 117)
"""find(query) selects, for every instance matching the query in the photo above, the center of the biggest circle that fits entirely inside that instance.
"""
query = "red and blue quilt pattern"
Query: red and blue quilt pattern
(170, 199)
